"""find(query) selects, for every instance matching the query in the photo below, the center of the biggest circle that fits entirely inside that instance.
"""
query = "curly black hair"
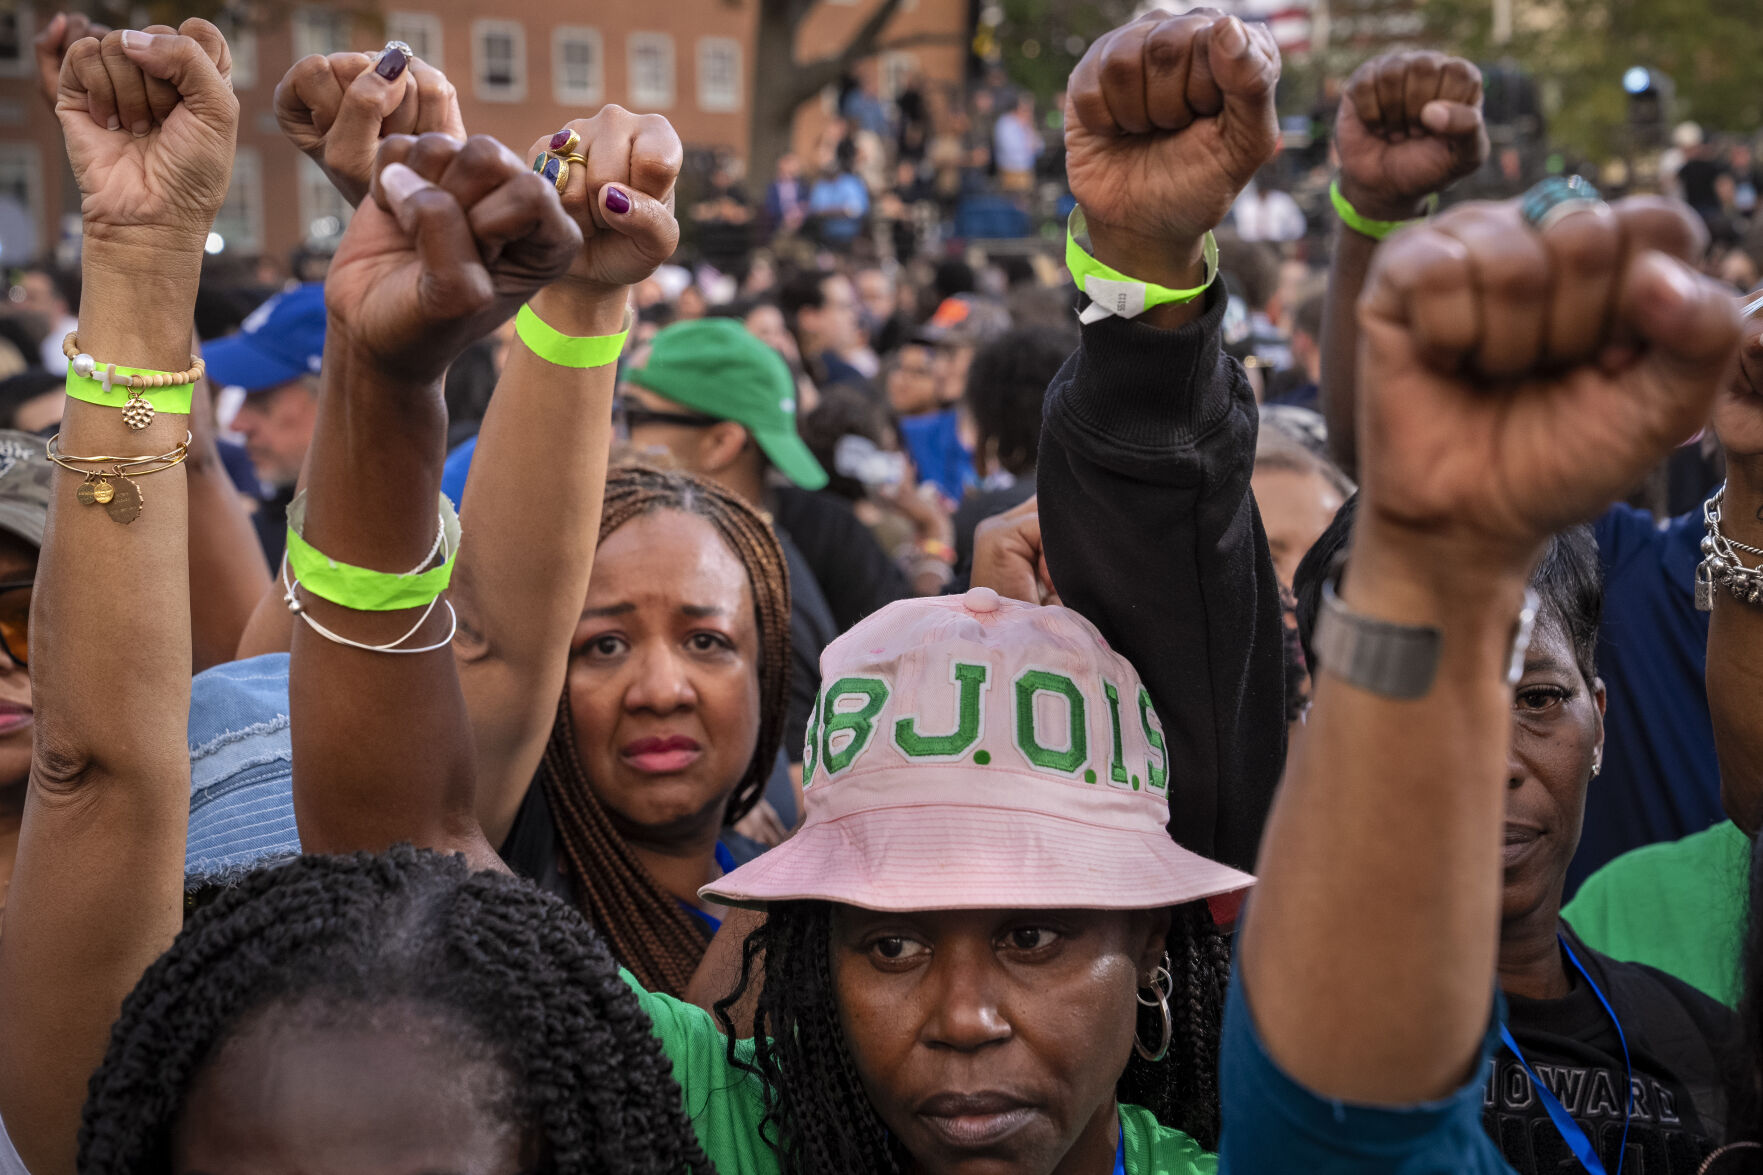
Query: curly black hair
(525, 983)
(817, 1115)
(1006, 387)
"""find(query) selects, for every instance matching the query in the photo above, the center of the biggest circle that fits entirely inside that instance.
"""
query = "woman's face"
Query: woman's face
(1557, 734)
(322, 1097)
(991, 1040)
(664, 675)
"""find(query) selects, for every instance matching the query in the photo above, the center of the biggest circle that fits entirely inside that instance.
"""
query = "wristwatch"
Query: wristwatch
(1393, 660)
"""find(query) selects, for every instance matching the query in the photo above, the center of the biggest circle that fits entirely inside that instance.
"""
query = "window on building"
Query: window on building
(421, 31)
(651, 68)
(319, 30)
(499, 60)
(578, 73)
(239, 222)
(896, 68)
(719, 73)
(16, 30)
(324, 214)
(21, 188)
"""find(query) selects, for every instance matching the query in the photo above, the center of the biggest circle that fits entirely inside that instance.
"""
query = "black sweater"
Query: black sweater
(1150, 532)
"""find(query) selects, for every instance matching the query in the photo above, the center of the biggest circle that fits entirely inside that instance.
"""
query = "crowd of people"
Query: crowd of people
(525, 704)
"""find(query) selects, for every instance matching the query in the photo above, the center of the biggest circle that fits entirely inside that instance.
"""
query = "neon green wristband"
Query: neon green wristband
(1114, 293)
(1377, 230)
(554, 346)
(115, 394)
(362, 588)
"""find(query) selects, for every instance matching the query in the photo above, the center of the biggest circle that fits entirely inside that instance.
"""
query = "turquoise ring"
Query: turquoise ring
(1556, 198)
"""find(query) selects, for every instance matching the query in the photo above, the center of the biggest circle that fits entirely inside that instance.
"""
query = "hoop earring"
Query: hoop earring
(1162, 986)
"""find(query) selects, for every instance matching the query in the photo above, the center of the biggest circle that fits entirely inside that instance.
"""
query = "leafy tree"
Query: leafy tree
(1578, 50)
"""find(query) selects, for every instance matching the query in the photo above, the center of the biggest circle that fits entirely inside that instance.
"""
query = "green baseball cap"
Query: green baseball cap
(716, 366)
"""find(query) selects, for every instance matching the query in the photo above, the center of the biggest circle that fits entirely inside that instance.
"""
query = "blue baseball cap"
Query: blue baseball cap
(241, 771)
(281, 341)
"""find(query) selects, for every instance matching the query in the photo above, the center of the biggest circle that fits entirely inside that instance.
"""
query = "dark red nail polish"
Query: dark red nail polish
(617, 201)
(392, 64)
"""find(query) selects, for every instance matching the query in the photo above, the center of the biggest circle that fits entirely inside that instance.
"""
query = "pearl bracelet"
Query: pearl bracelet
(84, 383)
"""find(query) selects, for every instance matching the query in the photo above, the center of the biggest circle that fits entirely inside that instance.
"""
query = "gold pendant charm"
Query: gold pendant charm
(103, 492)
(125, 505)
(137, 413)
(88, 492)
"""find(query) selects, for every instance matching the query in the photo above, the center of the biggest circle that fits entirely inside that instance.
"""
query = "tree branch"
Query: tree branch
(914, 40)
(862, 44)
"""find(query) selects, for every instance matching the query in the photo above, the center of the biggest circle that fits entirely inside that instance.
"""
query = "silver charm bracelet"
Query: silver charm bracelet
(1721, 565)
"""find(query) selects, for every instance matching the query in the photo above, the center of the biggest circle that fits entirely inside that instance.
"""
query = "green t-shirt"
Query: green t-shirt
(725, 1103)
(1678, 906)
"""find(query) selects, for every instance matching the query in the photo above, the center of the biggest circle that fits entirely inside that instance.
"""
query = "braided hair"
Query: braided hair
(817, 1115)
(526, 985)
(648, 930)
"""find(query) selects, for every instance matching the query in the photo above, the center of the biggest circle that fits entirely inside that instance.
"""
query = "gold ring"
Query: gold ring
(564, 143)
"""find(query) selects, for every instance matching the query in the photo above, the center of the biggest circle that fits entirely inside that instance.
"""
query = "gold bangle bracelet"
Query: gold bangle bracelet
(123, 500)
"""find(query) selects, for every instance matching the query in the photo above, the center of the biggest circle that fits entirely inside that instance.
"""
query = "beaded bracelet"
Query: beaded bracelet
(122, 387)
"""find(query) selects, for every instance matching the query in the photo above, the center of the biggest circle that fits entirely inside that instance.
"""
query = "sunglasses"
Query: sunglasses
(627, 415)
(15, 620)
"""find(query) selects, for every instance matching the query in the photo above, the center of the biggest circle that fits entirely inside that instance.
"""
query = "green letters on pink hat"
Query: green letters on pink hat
(971, 752)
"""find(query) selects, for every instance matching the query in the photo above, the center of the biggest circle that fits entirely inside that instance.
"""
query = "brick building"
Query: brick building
(522, 68)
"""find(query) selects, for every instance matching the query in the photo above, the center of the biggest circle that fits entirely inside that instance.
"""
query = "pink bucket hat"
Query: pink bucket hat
(971, 752)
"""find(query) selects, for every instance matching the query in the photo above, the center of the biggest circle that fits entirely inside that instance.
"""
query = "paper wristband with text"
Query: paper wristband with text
(362, 588)
(174, 399)
(554, 346)
(1114, 293)
(1377, 230)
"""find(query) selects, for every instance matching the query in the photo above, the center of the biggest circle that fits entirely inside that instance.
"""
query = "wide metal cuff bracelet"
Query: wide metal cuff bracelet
(1391, 660)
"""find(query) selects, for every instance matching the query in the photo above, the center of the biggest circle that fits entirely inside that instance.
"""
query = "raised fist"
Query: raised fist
(151, 123)
(1008, 557)
(1409, 125)
(51, 46)
(456, 236)
(338, 109)
(1514, 382)
(1738, 410)
(1166, 119)
(622, 197)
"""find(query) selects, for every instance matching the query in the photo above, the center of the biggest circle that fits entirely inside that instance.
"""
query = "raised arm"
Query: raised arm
(1513, 382)
(97, 891)
(338, 110)
(1409, 127)
(545, 439)
(456, 237)
(1143, 477)
(1735, 630)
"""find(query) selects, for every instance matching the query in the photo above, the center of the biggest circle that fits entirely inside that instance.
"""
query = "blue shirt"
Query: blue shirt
(1274, 1125)
(454, 472)
(1661, 780)
(934, 443)
(841, 201)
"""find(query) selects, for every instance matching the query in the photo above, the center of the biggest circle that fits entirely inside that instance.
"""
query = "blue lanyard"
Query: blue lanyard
(1120, 1152)
(1569, 1129)
(725, 861)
